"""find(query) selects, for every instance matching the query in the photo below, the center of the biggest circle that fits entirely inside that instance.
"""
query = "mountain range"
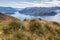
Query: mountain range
(8, 10)
(40, 11)
(36, 11)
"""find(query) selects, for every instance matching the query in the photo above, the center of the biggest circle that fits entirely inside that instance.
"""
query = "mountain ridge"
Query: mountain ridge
(31, 10)
(8, 10)
(28, 29)
(40, 11)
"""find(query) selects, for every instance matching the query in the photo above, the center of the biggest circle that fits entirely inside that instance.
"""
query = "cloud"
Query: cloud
(24, 0)
(21, 16)
(27, 0)
(13, 4)
(30, 3)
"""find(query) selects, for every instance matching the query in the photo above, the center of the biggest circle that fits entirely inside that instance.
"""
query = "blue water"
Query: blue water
(49, 18)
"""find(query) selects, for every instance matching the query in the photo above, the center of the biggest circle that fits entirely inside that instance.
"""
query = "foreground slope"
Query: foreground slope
(34, 29)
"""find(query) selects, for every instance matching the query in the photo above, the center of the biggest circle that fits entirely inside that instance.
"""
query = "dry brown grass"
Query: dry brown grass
(34, 29)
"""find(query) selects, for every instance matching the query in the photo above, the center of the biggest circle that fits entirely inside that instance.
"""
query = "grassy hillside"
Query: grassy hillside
(34, 29)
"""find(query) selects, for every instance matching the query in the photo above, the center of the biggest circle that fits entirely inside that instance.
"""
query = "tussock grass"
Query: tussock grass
(34, 29)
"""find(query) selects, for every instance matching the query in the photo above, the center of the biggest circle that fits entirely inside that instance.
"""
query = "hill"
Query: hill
(40, 11)
(36, 11)
(8, 10)
(28, 29)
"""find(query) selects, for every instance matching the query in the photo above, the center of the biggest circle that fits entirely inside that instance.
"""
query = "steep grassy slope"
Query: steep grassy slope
(34, 29)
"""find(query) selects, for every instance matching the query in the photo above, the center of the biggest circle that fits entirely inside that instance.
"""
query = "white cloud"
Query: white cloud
(16, 5)
(30, 4)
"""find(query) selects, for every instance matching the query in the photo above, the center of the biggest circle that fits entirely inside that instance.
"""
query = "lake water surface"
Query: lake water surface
(50, 18)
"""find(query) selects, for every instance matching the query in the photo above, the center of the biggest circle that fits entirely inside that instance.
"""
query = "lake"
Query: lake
(50, 18)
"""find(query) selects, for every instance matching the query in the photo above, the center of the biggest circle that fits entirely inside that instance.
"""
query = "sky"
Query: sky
(29, 3)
